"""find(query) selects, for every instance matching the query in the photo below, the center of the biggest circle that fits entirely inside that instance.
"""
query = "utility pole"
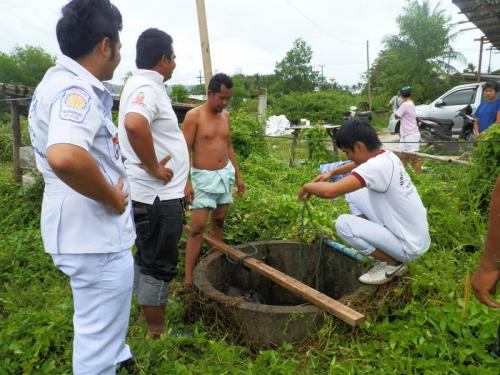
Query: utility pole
(368, 74)
(322, 77)
(200, 77)
(481, 42)
(489, 62)
(205, 47)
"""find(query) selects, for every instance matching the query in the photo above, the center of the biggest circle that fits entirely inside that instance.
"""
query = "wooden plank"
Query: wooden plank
(336, 308)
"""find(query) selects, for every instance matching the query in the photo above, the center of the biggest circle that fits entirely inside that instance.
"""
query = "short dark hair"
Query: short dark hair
(151, 46)
(84, 23)
(357, 131)
(490, 85)
(218, 80)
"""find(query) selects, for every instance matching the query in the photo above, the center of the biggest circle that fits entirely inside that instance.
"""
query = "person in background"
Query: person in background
(488, 112)
(409, 140)
(395, 102)
(157, 163)
(86, 219)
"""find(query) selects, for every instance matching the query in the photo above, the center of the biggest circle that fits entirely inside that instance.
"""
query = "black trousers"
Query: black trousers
(158, 228)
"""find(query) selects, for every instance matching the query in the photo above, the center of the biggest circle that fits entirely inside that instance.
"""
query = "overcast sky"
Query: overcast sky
(245, 36)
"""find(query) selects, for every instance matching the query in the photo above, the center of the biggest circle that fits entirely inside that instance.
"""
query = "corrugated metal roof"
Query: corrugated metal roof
(485, 14)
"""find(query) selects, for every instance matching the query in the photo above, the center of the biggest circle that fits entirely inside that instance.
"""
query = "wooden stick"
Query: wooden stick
(16, 141)
(433, 157)
(298, 288)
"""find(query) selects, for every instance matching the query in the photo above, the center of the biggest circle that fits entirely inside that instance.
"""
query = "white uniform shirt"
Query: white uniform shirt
(71, 106)
(145, 94)
(395, 200)
(359, 204)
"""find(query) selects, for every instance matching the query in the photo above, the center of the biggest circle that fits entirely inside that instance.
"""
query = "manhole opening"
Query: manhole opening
(324, 269)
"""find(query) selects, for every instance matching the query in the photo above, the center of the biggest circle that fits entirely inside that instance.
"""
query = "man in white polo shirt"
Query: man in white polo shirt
(157, 163)
(86, 219)
(401, 234)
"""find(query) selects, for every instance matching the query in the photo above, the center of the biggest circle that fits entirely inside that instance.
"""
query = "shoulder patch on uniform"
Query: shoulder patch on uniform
(138, 98)
(75, 105)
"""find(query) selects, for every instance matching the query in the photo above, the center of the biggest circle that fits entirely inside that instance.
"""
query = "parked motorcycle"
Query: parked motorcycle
(467, 132)
(352, 114)
(432, 130)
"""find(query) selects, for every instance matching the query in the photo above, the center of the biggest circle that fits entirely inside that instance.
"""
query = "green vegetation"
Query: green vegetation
(421, 325)
(295, 70)
(486, 166)
(25, 65)
(6, 136)
(179, 94)
(247, 134)
(315, 106)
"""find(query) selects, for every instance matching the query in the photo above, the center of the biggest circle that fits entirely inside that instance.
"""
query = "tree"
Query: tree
(419, 55)
(179, 93)
(33, 62)
(327, 105)
(295, 70)
(240, 90)
(9, 71)
(198, 89)
(470, 68)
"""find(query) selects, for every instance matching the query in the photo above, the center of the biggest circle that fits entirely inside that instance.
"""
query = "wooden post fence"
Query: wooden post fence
(16, 140)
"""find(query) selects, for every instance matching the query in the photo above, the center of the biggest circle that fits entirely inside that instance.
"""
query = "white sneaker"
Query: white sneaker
(382, 273)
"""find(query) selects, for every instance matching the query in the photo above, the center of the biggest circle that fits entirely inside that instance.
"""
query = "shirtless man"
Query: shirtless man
(214, 168)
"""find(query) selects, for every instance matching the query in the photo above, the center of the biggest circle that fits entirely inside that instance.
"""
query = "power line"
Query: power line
(321, 28)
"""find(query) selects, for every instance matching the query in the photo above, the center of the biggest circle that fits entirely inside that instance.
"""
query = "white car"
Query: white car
(447, 106)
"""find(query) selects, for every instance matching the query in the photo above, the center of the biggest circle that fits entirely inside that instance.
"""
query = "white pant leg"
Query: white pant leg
(102, 290)
(366, 236)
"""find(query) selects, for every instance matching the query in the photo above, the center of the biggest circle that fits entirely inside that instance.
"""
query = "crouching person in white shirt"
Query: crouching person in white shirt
(402, 234)
(157, 163)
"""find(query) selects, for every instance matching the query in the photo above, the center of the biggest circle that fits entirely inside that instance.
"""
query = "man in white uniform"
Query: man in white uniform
(402, 233)
(86, 220)
(157, 163)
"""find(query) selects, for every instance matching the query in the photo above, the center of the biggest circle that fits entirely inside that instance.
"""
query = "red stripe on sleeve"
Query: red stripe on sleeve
(360, 179)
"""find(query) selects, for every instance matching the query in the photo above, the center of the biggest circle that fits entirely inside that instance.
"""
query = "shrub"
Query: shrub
(325, 105)
(318, 140)
(484, 170)
(247, 134)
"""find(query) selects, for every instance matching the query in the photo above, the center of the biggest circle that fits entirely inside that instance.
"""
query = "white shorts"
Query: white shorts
(413, 145)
